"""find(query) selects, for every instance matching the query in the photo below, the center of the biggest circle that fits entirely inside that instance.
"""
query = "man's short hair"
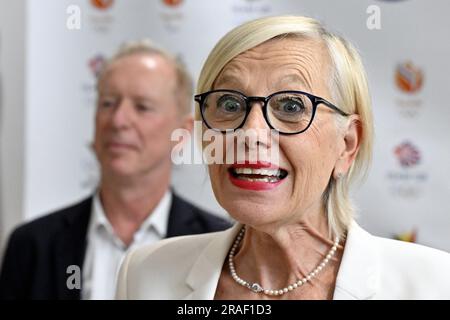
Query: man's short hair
(184, 89)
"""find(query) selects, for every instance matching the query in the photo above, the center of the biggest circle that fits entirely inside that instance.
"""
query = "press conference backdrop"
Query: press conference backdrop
(46, 155)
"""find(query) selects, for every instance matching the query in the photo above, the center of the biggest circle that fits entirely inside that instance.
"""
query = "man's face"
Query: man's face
(137, 111)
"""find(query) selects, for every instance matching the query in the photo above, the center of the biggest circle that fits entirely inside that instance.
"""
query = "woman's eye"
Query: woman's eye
(291, 106)
(229, 104)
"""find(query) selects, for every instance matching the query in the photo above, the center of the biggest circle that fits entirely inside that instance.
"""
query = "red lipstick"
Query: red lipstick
(254, 181)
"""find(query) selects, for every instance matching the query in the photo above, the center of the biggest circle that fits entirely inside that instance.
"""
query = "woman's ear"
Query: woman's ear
(352, 140)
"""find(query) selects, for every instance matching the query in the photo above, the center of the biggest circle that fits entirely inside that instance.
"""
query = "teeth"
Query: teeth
(266, 179)
(263, 172)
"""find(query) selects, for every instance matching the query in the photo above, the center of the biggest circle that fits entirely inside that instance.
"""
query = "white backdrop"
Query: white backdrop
(409, 183)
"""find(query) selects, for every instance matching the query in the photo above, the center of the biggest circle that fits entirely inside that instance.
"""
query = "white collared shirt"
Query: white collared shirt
(105, 250)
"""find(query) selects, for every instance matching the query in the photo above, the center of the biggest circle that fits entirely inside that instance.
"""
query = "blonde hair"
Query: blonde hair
(348, 85)
(185, 85)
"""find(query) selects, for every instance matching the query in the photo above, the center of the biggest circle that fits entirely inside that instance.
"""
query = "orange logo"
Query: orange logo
(172, 3)
(102, 4)
(408, 77)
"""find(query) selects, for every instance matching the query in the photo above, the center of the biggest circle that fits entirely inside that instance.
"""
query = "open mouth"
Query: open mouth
(258, 175)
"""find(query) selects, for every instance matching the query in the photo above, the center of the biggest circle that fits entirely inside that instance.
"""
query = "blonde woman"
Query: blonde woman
(295, 236)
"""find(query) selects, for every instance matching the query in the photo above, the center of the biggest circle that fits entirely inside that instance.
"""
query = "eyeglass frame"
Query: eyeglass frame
(315, 100)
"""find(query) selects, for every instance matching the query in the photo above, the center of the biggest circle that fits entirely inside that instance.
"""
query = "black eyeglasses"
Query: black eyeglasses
(288, 112)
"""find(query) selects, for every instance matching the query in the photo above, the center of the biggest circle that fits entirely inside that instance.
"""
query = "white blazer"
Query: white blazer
(189, 267)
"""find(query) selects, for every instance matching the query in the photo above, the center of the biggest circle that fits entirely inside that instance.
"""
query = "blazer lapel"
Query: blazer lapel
(358, 274)
(180, 218)
(71, 248)
(205, 272)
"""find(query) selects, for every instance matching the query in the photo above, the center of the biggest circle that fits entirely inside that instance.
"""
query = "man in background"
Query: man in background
(144, 94)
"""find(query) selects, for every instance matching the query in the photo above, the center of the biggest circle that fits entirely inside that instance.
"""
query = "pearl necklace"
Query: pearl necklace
(256, 287)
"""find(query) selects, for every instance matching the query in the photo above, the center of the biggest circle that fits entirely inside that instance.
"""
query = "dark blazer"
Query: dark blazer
(39, 252)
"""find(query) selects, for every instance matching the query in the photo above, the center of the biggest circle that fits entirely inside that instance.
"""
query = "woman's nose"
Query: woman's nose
(256, 129)
(255, 118)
